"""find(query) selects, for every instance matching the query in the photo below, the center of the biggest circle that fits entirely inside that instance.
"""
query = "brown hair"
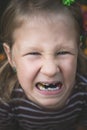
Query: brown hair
(11, 20)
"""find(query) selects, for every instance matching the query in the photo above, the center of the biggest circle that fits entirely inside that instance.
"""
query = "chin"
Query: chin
(52, 106)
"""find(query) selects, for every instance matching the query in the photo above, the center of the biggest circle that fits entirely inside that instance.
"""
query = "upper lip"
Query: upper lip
(49, 82)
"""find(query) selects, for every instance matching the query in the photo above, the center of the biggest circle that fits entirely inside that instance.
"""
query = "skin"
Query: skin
(45, 52)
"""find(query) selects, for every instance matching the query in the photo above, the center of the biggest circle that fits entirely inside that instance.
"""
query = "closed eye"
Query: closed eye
(63, 53)
(34, 53)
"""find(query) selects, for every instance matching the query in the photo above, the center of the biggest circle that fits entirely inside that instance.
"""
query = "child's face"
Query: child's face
(45, 56)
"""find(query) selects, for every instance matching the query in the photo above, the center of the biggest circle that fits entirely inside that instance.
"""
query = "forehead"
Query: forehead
(45, 30)
(47, 19)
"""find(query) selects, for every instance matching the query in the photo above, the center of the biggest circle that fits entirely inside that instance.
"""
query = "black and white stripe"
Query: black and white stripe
(30, 116)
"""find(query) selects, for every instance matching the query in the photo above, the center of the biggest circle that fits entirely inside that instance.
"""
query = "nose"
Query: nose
(50, 68)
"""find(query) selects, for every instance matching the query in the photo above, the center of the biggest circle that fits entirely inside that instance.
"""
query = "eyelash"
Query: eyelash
(63, 53)
(33, 53)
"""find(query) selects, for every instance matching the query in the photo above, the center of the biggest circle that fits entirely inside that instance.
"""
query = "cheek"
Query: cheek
(27, 70)
(71, 66)
(69, 69)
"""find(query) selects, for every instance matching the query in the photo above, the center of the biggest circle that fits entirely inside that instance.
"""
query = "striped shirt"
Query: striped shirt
(22, 114)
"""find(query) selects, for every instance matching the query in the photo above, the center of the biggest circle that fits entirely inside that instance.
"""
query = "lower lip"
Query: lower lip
(53, 92)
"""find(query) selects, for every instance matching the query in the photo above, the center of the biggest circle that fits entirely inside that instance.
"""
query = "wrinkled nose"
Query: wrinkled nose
(49, 68)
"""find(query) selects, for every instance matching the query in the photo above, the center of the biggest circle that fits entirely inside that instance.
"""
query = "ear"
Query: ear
(8, 53)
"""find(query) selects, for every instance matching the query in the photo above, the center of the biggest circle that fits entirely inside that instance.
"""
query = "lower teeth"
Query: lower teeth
(51, 89)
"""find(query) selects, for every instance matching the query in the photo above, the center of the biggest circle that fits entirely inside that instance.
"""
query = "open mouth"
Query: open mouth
(49, 86)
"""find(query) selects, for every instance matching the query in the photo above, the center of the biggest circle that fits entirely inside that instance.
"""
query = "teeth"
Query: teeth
(48, 87)
(51, 89)
(42, 88)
